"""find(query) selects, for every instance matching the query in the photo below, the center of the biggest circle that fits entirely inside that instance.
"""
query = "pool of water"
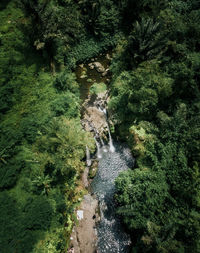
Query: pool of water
(111, 234)
(92, 75)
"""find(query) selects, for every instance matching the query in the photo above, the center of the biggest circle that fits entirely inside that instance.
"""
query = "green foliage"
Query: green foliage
(66, 104)
(89, 47)
(102, 17)
(58, 26)
(66, 81)
(42, 144)
(141, 195)
(145, 41)
(139, 93)
(155, 104)
(97, 88)
(21, 226)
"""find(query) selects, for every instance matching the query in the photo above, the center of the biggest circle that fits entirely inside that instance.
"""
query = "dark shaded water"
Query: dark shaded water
(111, 234)
(92, 76)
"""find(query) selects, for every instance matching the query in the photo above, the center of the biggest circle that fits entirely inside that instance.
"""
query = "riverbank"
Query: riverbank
(98, 228)
(84, 234)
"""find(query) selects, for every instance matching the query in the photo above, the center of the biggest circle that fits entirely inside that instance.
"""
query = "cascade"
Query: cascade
(103, 145)
(105, 112)
(102, 110)
(99, 108)
(88, 160)
(99, 155)
(111, 161)
(111, 146)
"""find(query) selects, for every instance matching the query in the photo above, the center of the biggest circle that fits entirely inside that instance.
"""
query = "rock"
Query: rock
(91, 65)
(83, 76)
(85, 237)
(108, 57)
(99, 67)
(92, 114)
(85, 177)
(71, 250)
(104, 73)
(93, 169)
(89, 80)
(79, 214)
(93, 173)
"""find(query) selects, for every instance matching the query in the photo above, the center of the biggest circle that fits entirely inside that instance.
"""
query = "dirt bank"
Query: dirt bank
(84, 236)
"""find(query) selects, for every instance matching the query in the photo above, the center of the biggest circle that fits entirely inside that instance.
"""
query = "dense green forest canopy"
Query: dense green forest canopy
(154, 102)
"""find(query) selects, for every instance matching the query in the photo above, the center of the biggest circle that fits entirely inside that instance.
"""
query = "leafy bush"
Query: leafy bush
(97, 88)
(66, 104)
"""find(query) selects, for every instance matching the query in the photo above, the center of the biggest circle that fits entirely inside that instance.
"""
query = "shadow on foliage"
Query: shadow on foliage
(23, 225)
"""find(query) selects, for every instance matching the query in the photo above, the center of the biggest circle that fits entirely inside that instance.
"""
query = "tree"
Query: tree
(141, 195)
(146, 41)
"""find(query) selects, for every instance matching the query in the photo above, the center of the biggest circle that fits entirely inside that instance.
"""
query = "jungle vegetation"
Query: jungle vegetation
(154, 103)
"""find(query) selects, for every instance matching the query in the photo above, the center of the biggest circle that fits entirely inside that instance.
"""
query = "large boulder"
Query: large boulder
(94, 119)
(94, 114)
(98, 66)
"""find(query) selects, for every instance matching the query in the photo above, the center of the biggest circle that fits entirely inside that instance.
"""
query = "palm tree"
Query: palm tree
(146, 41)
(42, 183)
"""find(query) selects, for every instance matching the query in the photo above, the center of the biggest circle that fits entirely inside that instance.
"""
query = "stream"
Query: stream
(93, 76)
(113, 158)
(111, 234)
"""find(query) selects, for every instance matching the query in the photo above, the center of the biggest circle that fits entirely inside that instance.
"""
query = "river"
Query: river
(113, 158)
(111, 234)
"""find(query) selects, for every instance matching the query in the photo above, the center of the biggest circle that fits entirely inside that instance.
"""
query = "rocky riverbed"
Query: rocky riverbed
(84, 235)
(99, 229)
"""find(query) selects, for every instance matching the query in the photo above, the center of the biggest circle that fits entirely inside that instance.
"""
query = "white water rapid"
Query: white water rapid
(99, 155)
(88, 160)
(111, 146)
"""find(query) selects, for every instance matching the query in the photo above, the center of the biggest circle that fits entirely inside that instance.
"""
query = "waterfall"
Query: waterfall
(112, 148)
(105, 112)
(103, 145)
(99, 155)
(99, 108)
(88, 160)
(102, 110)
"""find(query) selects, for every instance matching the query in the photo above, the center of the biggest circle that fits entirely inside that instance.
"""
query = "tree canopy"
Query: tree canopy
(154, 103)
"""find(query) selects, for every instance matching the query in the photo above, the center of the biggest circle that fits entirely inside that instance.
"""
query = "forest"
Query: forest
(155, 102)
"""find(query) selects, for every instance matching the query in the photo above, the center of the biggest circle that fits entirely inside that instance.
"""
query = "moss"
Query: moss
(93, 170)
(97, 88)
(138, 136)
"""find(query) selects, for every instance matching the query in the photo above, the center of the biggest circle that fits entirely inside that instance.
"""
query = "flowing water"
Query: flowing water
(99, 153)
(111, 234)
(111, 146)
(88, 160)
(113, 158)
